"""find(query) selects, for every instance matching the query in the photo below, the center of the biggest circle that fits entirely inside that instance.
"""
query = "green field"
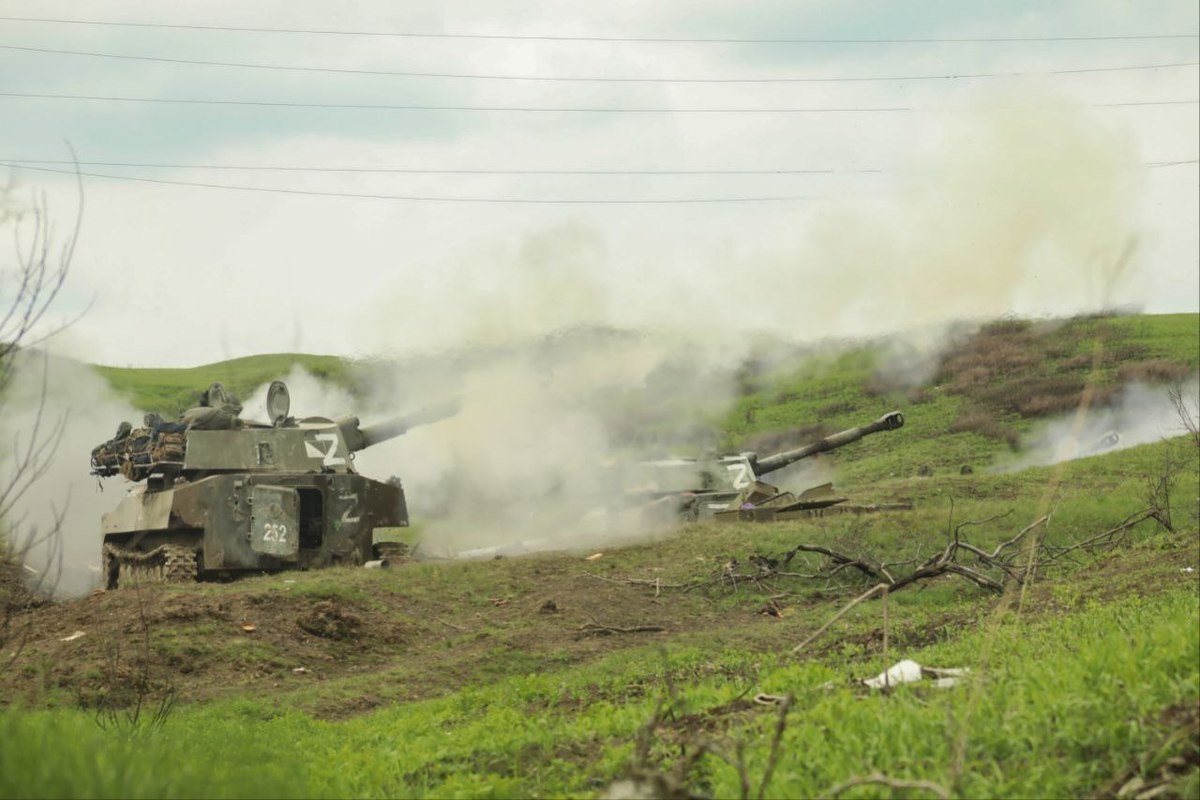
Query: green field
(666, 662)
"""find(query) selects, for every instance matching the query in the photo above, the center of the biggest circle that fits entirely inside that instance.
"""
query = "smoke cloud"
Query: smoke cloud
(62, 409)
(573, 351)
(537, 451)
(1143, 414)
(1023, 203)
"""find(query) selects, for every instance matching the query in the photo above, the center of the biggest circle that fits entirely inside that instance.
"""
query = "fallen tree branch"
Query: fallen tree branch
(1009, 562)
(1108, 538)
(892, 783)
(773, 759)
(656, 583)
(864, 596)
(597, 629)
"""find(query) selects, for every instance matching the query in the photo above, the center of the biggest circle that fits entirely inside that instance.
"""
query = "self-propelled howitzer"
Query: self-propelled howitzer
(715, 484)
(247, 497)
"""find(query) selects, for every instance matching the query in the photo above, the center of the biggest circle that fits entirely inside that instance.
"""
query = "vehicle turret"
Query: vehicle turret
(286, 444)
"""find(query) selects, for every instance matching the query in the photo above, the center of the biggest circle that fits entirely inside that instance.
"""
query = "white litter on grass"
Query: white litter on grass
(73, 636)
(908, 671)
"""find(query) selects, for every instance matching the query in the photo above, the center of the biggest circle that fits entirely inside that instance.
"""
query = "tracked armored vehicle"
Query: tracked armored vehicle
(730, 486)
(216, 496)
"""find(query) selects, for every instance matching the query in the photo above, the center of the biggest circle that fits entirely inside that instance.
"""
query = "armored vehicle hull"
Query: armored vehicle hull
(222, 525)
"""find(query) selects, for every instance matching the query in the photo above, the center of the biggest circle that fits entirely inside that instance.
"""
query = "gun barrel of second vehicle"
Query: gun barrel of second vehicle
(888, 422)
(361, 437)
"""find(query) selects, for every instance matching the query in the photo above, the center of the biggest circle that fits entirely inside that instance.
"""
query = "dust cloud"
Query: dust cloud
(1026, 205)
(575, 349)
(1023, 204)
(1141, 415)
(64, 409)
(537, 451)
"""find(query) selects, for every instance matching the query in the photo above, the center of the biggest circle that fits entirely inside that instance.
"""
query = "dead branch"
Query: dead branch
(30, 282)
(592, 628)
(864, 596)
(656, 583)
(1112, 536)
(842, 561)
(877, 778)
(773, 759)
(449, 624)
(1188, 413)
(1009, 562)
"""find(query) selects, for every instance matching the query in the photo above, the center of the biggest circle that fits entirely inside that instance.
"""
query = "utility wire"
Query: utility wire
(425, 199)
(20, 162)
(589, 79)
(435, 199)
(634, 39)
(536, 109)
(424, 171)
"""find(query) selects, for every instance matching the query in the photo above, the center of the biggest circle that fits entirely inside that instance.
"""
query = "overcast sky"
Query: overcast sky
(956, 196)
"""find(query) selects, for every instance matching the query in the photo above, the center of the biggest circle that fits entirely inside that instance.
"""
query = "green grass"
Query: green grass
(169, 391)
(1089, 678)
(1056, 707)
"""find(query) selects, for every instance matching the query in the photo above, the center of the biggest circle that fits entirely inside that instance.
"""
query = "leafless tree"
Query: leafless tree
(1188, 412)
(31, 279)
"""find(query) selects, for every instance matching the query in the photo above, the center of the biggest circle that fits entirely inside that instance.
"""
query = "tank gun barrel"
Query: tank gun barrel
(361, 437)
(888, 422)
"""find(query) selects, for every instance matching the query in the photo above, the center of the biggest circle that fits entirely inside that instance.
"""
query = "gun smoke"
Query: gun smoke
(574, 350)
(1142, 414)
(58, 409)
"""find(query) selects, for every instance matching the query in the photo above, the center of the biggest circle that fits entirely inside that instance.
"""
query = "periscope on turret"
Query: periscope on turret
(216, 495)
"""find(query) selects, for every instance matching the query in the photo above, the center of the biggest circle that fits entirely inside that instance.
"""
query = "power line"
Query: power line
(587, 79)
(20, 162)
(424, 199)
(443, 199)
(425, 171)
(631, 39)
(537, 109)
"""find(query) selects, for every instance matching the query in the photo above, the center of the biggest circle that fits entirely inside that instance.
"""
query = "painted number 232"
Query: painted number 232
(274, 532)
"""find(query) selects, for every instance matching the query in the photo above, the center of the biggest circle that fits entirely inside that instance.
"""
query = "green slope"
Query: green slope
(169, 391)
(454, 680)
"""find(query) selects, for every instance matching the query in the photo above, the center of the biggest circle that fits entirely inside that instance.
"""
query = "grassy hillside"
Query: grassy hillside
(667, 661)
(973, 403)
(169, 391)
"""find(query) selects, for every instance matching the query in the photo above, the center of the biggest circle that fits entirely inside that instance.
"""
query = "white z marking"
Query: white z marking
(328, 453)
(741, 475)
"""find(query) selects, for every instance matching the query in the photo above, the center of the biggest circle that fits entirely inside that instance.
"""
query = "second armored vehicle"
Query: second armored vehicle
(729, 484)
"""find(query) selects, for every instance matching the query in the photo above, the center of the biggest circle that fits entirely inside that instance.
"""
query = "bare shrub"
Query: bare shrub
(1159, 370)
(1188, 413)
(918, 395)
(29, 285)
(985, 424)
(1078, 363)
(1012, 366)
(834, 409)
(135, 695)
